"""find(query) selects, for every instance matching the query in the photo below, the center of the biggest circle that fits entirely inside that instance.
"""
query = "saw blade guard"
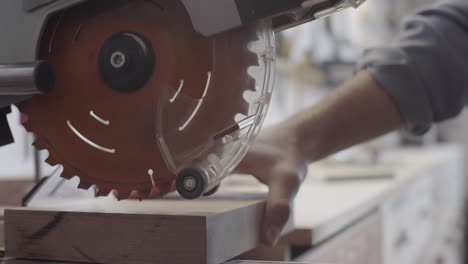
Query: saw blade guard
(200, 141)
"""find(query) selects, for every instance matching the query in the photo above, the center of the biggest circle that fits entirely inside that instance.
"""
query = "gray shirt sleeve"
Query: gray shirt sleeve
(425, 69)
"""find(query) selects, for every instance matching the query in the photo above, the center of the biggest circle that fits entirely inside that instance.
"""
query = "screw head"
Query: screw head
(118, 59)
(190, 183)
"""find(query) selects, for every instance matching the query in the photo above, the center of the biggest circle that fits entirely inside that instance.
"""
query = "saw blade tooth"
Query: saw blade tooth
(145, 194)
(251, 82)
(122, 195)
(27, 126)
(84, 185)
(66, 174)
(104, 191)
(252, 59)
(52, 161)
(115, 194)
(38, 144)
(135, 195)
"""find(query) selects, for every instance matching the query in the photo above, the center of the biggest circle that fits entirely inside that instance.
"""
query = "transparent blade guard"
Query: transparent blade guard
(189, 133)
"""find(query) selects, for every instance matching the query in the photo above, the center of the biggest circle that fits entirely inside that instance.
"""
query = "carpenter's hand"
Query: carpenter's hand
(275, 160)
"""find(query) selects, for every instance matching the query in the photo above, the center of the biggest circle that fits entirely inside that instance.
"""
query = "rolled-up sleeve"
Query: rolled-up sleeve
(425, 69)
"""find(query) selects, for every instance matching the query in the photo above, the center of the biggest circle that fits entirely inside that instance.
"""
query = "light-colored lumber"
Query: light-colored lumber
(134, 233)
(157, 231)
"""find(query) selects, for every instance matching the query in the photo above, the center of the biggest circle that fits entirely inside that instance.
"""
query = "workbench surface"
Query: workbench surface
(323, 208)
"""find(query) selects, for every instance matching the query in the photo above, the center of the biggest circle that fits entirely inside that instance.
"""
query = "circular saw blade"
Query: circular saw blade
(114, 61)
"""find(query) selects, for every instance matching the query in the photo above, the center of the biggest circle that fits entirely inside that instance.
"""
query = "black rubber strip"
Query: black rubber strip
(6, 137)
(252, 10)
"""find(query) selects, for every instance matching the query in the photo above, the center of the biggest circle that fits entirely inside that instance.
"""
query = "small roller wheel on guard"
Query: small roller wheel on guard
(190, 183)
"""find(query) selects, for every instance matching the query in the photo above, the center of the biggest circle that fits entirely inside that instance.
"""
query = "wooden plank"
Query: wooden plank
(158, 231)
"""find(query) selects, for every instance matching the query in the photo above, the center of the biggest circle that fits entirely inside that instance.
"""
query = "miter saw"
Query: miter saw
(142, 97)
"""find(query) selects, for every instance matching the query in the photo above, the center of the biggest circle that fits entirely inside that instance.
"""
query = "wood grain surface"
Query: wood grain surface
(107, 231)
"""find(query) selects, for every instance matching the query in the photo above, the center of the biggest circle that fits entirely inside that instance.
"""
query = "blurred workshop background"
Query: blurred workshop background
(313, 59)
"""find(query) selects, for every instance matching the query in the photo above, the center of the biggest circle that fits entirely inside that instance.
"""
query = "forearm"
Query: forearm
(356, 112)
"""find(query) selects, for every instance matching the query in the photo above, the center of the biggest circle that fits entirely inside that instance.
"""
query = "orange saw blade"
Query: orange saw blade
(115, 61)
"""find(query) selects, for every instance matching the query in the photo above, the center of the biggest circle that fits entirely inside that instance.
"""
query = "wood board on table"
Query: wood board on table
(172, 230)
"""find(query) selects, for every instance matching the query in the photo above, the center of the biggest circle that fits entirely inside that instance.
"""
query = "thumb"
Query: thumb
(278, 209)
